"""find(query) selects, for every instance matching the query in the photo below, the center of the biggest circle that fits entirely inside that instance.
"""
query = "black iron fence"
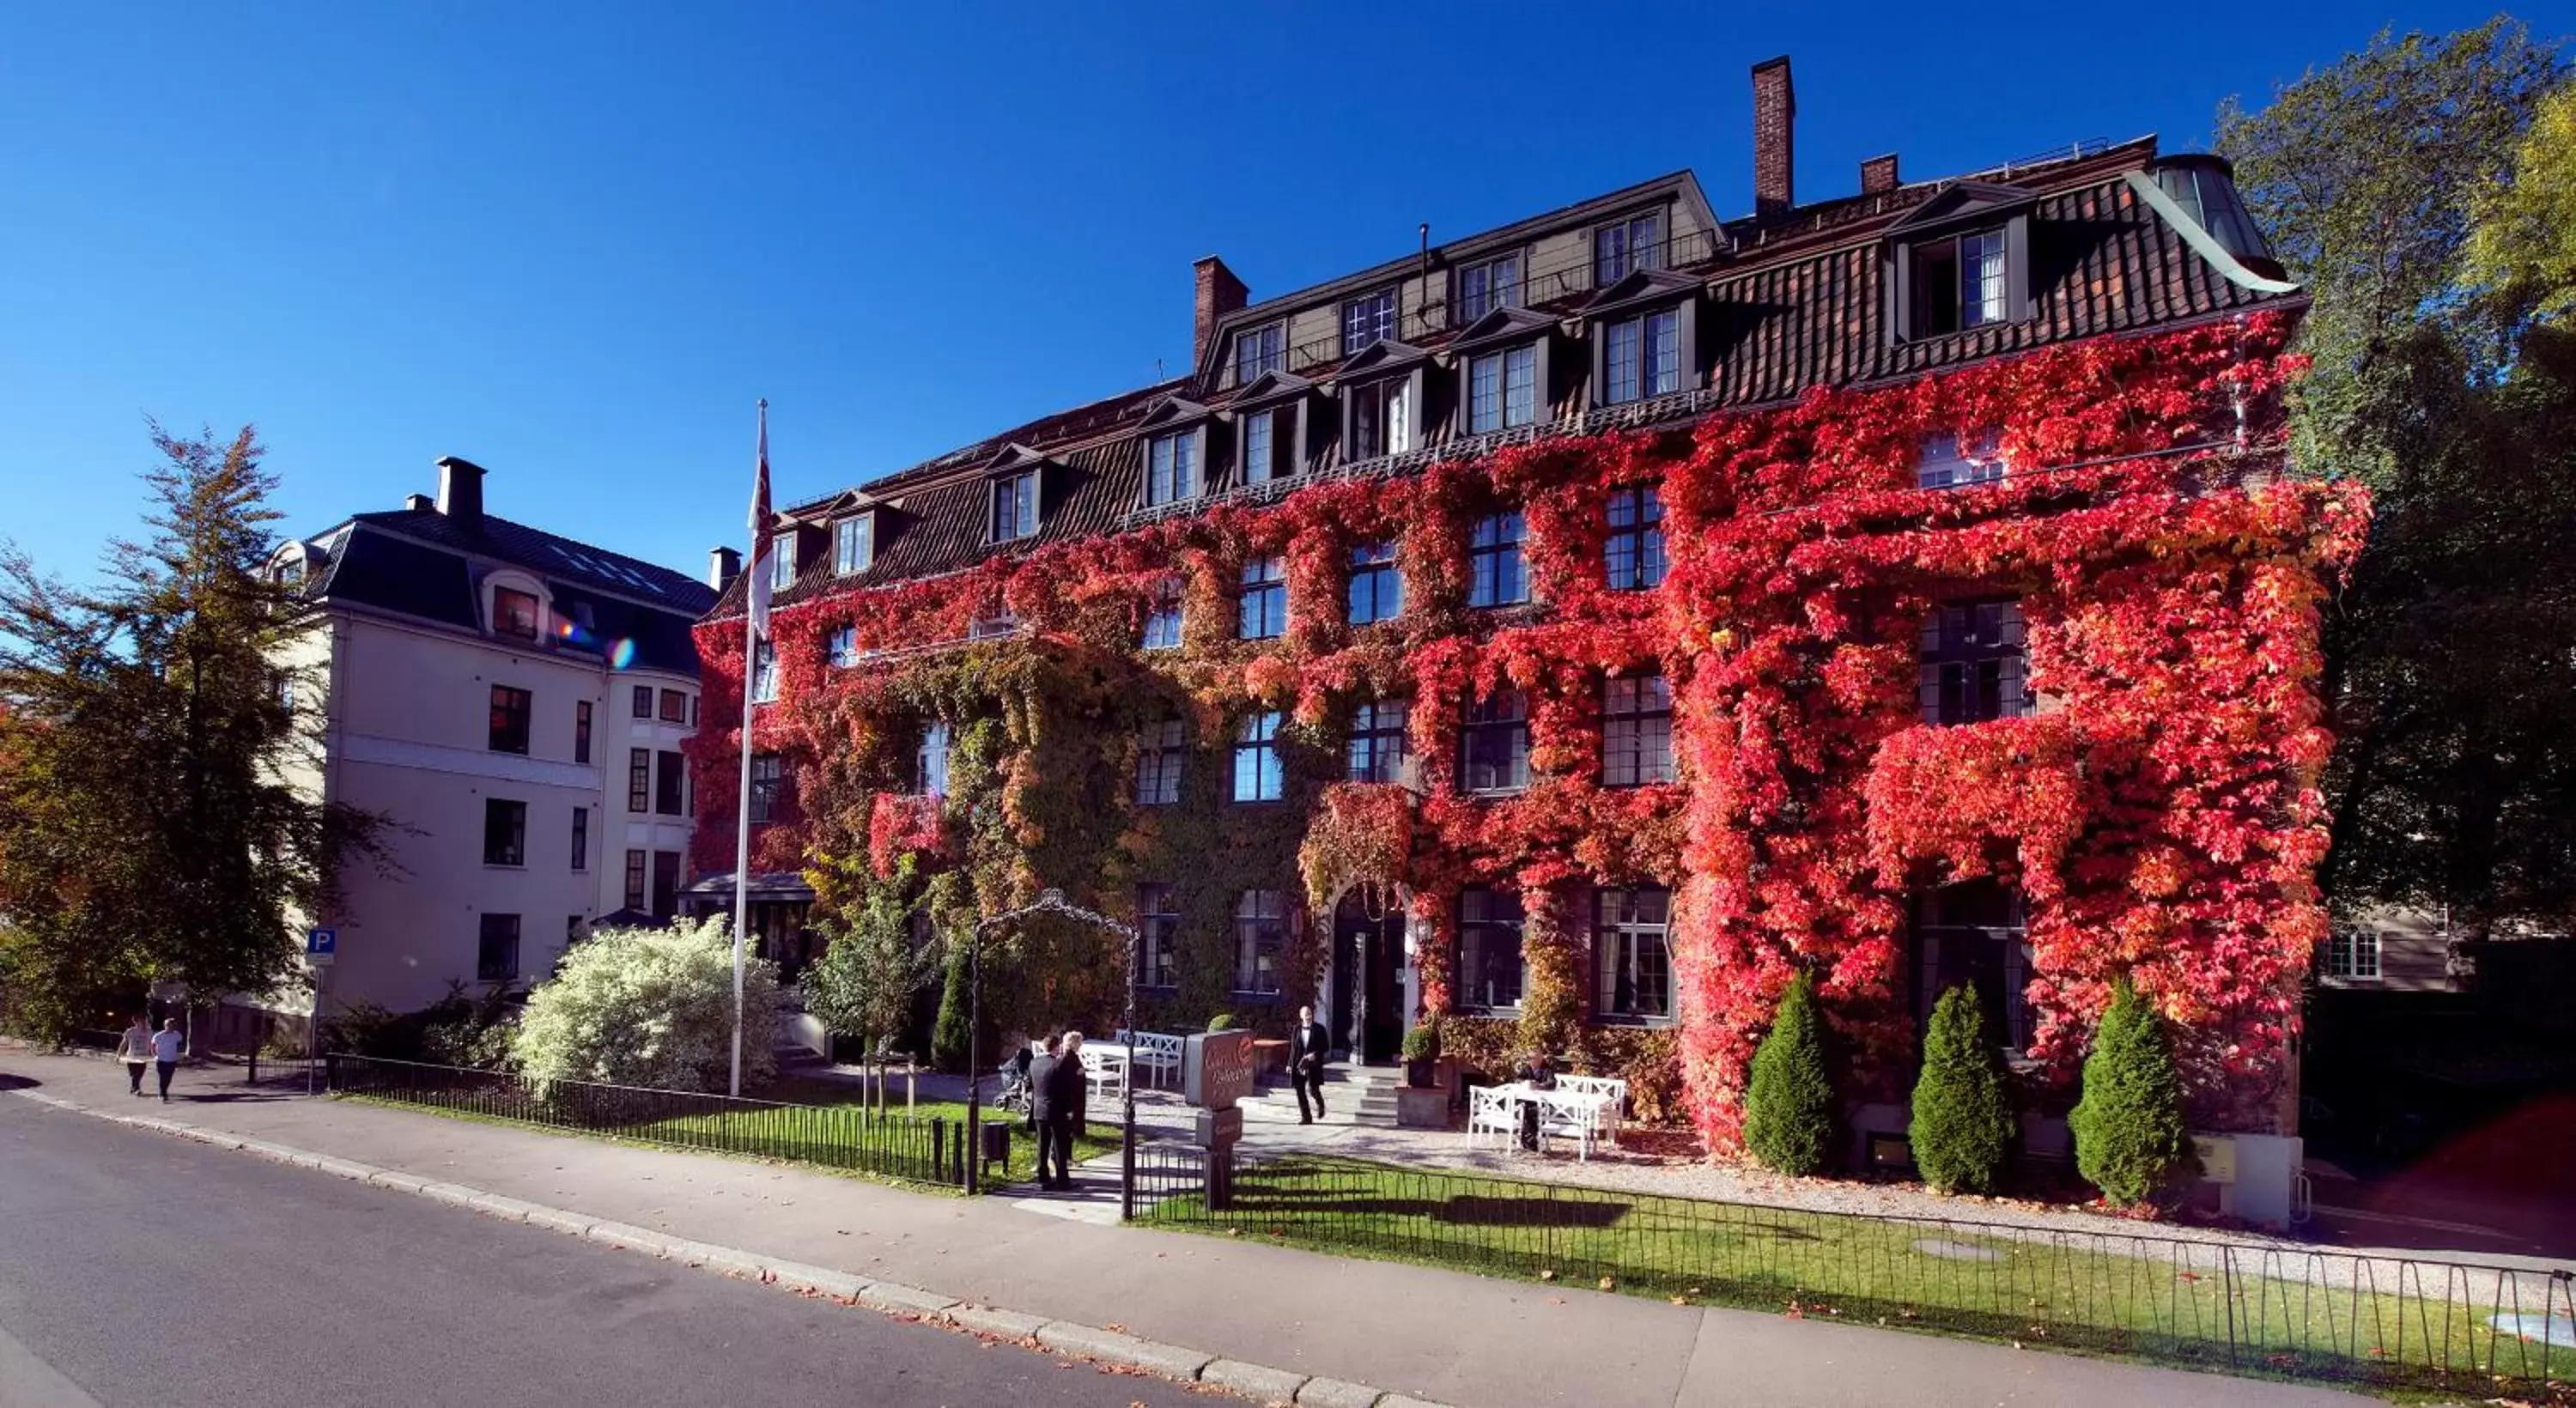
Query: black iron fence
(2273, 1309)
(920, 1149)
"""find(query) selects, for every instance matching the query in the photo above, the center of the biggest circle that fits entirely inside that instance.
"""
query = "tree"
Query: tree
(2402, 185)
(2522, 249)
(2128, 1127)
(152, 825)
(1789, 1106)
(651, 1007)
(872, 966)
(948, 1033)
(1962, 1131)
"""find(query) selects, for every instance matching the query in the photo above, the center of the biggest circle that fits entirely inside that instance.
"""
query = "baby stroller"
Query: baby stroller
(1015, 1093)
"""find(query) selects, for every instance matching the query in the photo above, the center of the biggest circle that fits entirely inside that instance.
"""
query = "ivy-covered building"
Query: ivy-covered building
(1574, 630)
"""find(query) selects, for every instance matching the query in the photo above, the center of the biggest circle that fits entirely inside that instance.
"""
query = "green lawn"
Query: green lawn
(2074, 1291)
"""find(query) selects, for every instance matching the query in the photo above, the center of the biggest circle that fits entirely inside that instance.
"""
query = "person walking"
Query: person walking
(1070, 1089)
(1042, 1109)
(1306, 1063)
(167, 1045)
(134, 1048)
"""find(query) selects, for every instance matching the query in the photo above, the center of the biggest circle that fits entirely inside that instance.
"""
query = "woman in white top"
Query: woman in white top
(166, 1046)
(134, 1048)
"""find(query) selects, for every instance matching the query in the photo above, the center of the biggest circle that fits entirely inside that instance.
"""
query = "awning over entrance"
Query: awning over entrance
(767, 887)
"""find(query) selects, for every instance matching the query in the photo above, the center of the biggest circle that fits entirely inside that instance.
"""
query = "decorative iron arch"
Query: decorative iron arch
(1050, 902)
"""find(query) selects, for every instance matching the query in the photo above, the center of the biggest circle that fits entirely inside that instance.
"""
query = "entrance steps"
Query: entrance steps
(1353, 1095)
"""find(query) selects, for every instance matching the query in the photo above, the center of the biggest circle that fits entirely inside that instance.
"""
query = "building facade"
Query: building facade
(515, 708)
(1572, 631)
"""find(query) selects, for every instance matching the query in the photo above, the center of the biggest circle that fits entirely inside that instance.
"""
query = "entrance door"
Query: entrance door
(1368, 991)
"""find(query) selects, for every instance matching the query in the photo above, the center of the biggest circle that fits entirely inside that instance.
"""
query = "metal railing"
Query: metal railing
(2270, 1309)
(932, 1150)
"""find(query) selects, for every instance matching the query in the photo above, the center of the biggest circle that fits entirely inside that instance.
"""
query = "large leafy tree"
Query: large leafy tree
(2453, 650)
(651, 1007)
(152, 828)
(873, 965)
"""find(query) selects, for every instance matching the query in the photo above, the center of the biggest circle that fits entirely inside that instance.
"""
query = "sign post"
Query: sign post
(1216, 1073)
(321, 950)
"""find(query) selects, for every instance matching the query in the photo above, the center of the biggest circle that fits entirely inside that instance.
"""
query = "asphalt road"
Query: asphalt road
(137, 1269)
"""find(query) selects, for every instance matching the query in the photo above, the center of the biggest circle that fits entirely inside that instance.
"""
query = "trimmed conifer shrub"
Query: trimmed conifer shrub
(948, 1032)
(1789, 1106)
(2128, 1128)
(1963, 1128)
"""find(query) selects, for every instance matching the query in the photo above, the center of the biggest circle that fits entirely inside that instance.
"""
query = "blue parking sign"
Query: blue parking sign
(321, 943)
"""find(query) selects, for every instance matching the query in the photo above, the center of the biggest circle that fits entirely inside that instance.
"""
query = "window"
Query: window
(1163, 618)
(854, 544)
(765, 784)
(1502, 390)
(510, 710)
(1948, 461)
(669, 788)
(1489, 950)
(505, 832)
(581, 731)
(514, 613)
(1367, 321)
(2353, 955)
(764, 674)
(1494, 743)
(1633, 950)
(1159, 754)
(1269, 444)
(2208, 196)
(1973, 663)
(1381, 418)
(1377, 585)
(675, 707)
(635, 879)
(576, 929)
(930, 760)
(581, 838)
(1482, 288)
(1634, 550)
(639, 779)
(1158, 933)
(496, 951)
(642, 708)
(1015, 506)
(1378, 747)
(1636, 731)
(1973, 934)
(1621, 249)
(1641, 357)
(666, 883)
(1261, 603)
(842, 646)
(1260, 932)
(993, 625)
(782, 561)
(1257, 773)
(1172, 468)
(1256, 351)
(1959, 283)
(1494, 561)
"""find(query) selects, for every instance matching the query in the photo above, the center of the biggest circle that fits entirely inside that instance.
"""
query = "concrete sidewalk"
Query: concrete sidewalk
(1438, 1335)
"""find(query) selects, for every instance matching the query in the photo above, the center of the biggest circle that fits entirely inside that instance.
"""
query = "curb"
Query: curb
(1064, 1337)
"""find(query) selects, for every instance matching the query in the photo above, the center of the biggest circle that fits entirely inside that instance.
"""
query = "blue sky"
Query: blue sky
(575, 242)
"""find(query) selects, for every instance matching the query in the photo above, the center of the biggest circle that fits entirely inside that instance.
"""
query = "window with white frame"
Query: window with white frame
(2353, 955)
(843, 645)
(1160, 751)
(1171, 468)
(1258, 775)
(1641, 357)
(1269, 444)
(1381, 418)
(1260, 936)
(1493, 743)
(930, 760)
(1959, 282)
(1633, 550)
(1974, 663)
(1632, 951)
(854, 544)
(767, 782)
(1489, 950)
(764, 673)
(1949, 460)
(1158, 936)
(1636, 731)
(1377, 584)
(1626, 246)
(1367, 320)
(1261, 603)
(514, 613)
(1496, 576)
(1502, 390)
(1379, 744)
(1258, 351)
(1163, 618)
(1015, 506)
(782, 561)
(1482, 288)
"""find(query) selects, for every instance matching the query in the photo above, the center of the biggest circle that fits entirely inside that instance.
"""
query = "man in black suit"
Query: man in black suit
(1042, 1109)
(1306, 1063)
(1070, 1087)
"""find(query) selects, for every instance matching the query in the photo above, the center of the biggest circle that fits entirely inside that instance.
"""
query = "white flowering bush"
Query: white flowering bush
(651, 1007)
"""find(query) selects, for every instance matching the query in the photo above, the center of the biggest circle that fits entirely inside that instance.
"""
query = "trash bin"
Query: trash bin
(997, 1143)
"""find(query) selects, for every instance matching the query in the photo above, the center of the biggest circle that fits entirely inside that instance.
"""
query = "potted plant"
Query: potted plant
(1421, 1055)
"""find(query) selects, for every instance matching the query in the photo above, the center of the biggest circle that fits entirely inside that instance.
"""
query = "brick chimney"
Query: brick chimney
(1775, 121)
(723, 565)
(1220, 293)
(1878, 174)
(460, 489)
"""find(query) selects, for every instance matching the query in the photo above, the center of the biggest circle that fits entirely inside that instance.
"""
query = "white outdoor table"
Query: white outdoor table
(1574, 1102)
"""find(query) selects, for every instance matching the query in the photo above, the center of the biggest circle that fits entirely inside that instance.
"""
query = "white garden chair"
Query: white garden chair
(1568, 1114)
(1613, 1094)
(1108, 1073)
(1489, 1110)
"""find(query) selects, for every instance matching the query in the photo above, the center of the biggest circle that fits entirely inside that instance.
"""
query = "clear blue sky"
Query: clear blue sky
(575, 242)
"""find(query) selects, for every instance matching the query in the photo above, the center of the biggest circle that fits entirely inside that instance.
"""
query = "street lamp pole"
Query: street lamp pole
(974, 1060)
(1127, 1140)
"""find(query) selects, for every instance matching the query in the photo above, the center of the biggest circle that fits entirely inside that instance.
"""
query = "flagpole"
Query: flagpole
(742, 801)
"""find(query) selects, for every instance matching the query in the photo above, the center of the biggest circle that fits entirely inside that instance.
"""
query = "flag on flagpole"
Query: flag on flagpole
(761, 547)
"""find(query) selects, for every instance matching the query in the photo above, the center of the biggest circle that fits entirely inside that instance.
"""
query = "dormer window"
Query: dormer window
(1015, 506)
(1502, 390)
(1950, 460)
(1258, 351)
(1172, 468)
(1960, 262)
(2206, 192)
(514, 613)
(1627, 246)
(1266, 449)
(1381, 418)
(854, 544)
(1482, 288)
(1959, 282)
(1367, 321)
(782, 561)
(1641, 357)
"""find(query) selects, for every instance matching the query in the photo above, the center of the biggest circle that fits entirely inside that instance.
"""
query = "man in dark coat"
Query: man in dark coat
(1306, 1063)
(1042, 1109)
(1070, 1089)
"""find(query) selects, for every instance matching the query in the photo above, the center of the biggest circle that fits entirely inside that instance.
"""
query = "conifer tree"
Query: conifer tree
(2128, 1128)
(1962, 1131)
(1789, 1106)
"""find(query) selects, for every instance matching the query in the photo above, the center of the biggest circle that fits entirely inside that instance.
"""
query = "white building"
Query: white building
(513, 706)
